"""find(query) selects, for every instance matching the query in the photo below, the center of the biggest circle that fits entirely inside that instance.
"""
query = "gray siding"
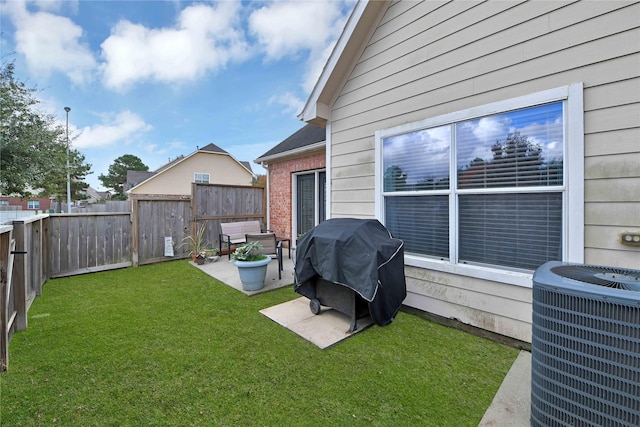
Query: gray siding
(431, 58)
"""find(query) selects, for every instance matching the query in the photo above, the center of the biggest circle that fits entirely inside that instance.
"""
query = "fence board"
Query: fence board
(94, 242)
(7, 309)
(60, 245)
(155, 219)
(215, 204)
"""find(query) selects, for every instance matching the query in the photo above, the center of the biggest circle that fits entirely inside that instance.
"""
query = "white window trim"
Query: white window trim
(573, 221)
(203, 174)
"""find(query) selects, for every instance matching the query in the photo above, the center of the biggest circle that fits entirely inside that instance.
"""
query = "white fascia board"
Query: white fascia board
(291, 153)
(312, 109)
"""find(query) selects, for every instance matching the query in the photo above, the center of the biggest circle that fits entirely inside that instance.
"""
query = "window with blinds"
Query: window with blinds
(498, 178)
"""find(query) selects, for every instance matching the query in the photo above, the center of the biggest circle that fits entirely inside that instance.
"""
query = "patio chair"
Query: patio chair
(270, 247)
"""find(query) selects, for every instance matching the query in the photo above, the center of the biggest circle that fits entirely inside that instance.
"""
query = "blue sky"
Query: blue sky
(158, 78)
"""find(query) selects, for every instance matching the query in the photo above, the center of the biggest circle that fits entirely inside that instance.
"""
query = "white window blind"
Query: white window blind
(498, 178)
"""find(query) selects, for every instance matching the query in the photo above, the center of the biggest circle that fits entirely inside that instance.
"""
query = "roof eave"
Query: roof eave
(317, 108)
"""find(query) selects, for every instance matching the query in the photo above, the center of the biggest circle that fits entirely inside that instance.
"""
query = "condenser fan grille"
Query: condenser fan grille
(604, 276)
(585, 346)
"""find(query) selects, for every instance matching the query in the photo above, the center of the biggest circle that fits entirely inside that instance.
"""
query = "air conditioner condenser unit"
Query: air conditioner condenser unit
(585, 346)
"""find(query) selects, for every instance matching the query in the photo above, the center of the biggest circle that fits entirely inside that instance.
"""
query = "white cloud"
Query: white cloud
(421, 154)
(286, 28)
(51, 43)
(205, 39)
(292, 104)
(315, 64)
(115, 129)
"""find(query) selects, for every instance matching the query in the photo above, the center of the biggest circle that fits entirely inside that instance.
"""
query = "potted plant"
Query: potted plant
(196, 244)
(212, 255)
(252, 265)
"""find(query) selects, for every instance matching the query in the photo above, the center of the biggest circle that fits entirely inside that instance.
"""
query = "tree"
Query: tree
(517, 161)
(394, 179)
(117, 176)
(32, 144)
(259, 181)
(54, 183)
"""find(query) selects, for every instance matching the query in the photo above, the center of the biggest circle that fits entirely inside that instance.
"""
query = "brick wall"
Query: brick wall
(280, 189)
(45, 203)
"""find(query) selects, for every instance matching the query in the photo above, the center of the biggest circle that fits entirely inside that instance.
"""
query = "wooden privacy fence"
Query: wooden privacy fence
(86, 243)
(155, 220)
(37, 248)
(8, 306)
(213, 204)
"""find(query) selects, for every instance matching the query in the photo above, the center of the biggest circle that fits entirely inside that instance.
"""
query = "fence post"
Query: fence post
(134, 230)
(7, 246)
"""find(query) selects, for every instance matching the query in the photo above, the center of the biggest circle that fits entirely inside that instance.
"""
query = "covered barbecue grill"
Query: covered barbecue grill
(353, 266)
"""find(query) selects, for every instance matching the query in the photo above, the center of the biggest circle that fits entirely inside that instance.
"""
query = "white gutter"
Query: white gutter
(289, 153)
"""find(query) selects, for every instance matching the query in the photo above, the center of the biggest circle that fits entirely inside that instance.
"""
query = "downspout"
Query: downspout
(268, 190)
(328, 168)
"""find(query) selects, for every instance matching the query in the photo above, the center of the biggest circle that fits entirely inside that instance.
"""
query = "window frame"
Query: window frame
(317, 197)
(573, 180)
(33, 204)
(195, 178)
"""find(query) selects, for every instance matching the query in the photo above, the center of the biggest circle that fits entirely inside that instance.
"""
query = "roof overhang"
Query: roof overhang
(361, 23)
(291, 153)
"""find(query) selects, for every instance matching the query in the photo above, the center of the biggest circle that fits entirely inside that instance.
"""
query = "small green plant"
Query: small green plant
(211, 252)
(196, 244)
(248, 252)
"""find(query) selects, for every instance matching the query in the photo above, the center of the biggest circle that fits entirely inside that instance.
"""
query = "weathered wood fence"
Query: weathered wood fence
(8, 306)
(34, 249)
(154, 220)
(215, 204)
(86, 243)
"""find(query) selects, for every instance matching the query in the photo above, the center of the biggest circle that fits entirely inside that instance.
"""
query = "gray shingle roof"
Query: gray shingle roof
(247, 165)
(308, 135)
(136, 177)
(213, 148)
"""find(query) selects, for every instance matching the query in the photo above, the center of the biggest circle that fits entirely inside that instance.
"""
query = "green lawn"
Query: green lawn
(167, 345)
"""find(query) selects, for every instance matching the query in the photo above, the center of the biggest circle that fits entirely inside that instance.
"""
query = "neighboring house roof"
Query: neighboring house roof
(212, 148)
(247, 165)
(309, 137)
(136, 177)
(342, 59)
(166, 165)
(209, 148)
(94, 195)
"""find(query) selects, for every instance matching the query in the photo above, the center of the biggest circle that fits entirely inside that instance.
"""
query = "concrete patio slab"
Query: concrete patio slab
(323, 330)
(224, 271)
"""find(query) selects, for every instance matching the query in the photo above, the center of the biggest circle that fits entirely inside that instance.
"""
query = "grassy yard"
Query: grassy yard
(167, 345)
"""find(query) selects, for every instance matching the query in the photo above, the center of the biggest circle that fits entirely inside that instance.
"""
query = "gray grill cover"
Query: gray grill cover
(359, 254)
